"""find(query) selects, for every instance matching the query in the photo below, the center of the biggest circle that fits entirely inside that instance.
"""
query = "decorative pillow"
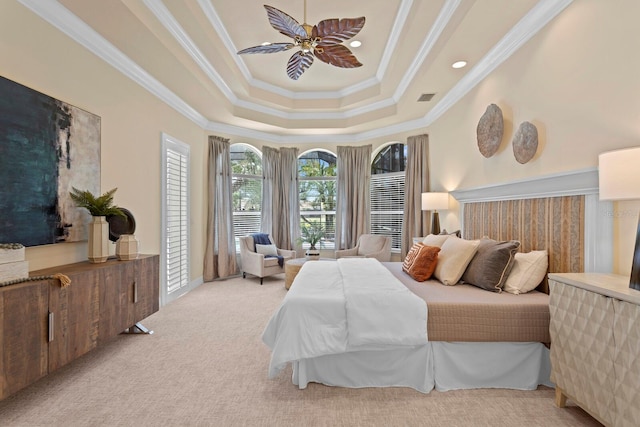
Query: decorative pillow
(456, 233)
(421, 261)
(267, 249)
(411, 256)
(453, 259)
(491, 264)
(435, 239)
(528, 272)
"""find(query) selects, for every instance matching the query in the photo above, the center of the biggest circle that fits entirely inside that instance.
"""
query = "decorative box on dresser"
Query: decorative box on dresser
(595, 345)
(44, 326)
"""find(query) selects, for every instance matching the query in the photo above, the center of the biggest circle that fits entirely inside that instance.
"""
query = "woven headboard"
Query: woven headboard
(552, 223)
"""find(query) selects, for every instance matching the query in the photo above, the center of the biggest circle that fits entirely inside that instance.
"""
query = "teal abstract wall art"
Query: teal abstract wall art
(46, 147)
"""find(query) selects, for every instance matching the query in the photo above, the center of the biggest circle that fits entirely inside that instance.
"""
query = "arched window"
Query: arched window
(246, 166)
(317, 197)
(387, 192)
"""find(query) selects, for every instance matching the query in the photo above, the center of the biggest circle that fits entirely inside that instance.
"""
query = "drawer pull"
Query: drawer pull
(135, 292)
(51, 325)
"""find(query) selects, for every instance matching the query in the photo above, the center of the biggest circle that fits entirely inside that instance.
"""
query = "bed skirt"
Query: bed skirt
(440, 365)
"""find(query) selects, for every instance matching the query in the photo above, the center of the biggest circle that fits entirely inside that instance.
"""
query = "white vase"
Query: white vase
(98, 240)
(312, 254)
(127, 247)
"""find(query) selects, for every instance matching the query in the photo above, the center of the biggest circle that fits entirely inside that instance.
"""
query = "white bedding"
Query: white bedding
(344, 306)
(372, 333)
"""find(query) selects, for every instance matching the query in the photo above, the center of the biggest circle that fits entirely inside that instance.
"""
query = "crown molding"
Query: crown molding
(175, 29)
(171, 25)
(441, 22)
(537, 18)
(61, 18)
(392, 42)
(218, 26)
(579, 182)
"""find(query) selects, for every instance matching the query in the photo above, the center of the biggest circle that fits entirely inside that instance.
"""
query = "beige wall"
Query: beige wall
(38, 56)
(577, 81)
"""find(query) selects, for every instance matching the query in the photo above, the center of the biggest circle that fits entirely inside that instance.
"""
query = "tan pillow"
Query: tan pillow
(454, 256)
(527, 273)
(491, 264)
(421, 261)
(435, 239)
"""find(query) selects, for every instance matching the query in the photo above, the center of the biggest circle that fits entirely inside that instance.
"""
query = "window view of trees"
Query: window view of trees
(317, 197)
(317, 172)
(387, 192)
(246, 166)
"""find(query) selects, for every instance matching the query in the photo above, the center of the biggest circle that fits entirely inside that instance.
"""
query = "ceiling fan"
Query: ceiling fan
(322, 40)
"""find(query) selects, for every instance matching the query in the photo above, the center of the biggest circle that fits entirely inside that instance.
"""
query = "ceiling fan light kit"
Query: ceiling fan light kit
(324, 41)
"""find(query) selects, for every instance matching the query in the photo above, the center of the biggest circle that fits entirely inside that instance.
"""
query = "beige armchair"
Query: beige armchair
(369, 246)
(257, 264)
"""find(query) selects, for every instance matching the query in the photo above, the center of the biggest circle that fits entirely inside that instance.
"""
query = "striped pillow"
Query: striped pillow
(421, 261)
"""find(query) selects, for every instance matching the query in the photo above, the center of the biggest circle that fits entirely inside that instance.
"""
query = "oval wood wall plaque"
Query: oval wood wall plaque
(525, 142)
(489, 131)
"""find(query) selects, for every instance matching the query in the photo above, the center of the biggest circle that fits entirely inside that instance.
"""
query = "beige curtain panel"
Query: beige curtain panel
(288, 227)
(270, 201)
(353, 205)
(416, 182)
(280, 209)
(220, 248)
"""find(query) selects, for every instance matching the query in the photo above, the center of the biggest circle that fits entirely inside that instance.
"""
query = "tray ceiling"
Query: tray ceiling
(184, 51)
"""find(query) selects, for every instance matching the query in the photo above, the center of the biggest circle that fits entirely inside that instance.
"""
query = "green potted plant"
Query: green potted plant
(99, 207)
(311, 234)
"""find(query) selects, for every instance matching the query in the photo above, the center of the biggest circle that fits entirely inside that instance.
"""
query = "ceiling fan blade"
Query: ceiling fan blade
(338, 55)
(284, 23)
(269, 48)
(298, 63)
(334, 31)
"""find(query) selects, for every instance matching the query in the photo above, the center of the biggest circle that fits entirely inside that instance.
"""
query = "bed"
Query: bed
(472, 338)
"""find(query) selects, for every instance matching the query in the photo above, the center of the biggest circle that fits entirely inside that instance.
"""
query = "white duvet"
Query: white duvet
(347, 305)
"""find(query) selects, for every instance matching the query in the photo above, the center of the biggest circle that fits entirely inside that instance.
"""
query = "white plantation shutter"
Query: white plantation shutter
(245, 223)
(247, 213)
(247, 191)
(387, 206)
(175, 217)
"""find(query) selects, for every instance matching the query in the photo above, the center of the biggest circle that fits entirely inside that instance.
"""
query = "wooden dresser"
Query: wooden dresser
(595, 345)
(44, 326)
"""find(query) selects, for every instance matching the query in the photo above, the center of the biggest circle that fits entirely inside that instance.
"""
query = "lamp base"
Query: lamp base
(435, 223)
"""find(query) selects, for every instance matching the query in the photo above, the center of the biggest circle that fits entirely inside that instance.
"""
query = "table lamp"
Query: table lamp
(433, 202)
(619, 179)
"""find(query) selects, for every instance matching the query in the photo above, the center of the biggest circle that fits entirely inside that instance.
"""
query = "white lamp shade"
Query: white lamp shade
(435, 201)
(618, 174)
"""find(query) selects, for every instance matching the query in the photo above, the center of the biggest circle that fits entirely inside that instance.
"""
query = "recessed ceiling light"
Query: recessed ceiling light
(459, 64)
(355, 43)
(265, 43)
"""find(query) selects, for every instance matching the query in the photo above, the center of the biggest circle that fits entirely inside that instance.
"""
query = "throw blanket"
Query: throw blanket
(263, 239)
(340, 306)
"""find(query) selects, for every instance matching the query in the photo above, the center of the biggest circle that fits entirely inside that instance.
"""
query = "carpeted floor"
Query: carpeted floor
(205, 365)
